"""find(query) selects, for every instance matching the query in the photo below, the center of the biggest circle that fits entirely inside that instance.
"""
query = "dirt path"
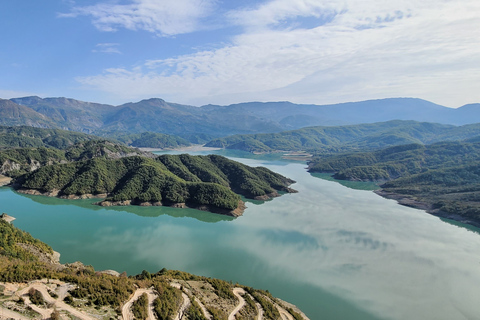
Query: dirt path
(60, 305)
(241, 302)
(151, 297)
(284, 313)
(186, 301)
(127, 307)
(9, 314)
(260, 311)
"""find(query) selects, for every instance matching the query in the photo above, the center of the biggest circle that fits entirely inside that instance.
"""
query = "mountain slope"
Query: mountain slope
(16, 115)
(351, 137)
(157, 115)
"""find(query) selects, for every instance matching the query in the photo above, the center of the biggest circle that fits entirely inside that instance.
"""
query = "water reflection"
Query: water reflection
(357, 185)
(337, 252)
(203, 216)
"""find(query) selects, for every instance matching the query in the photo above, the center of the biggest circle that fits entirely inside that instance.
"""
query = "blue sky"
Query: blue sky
(210, 51)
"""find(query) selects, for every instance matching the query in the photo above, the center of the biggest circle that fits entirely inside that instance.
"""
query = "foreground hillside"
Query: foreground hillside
(204, 182)
(35, 286)
(442, 178)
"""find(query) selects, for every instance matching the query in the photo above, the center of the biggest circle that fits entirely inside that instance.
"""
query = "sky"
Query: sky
(201, 52)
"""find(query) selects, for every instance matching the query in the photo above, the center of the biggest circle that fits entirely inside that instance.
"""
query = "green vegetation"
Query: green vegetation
(217, 314)
(17, 161)
(295, 315)
(10, 237)
(168, 301)
(152, 140)
(445, 176)
(270, 312)
(348, 138)
(140, 307)
(194, 312)
(36, 296)
(222, 288)
(194, 180)
(28, 137)
(99, 149)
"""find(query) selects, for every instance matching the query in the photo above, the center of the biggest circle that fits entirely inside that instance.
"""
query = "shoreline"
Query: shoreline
(237, 212)
(407, 201)
(192, 148)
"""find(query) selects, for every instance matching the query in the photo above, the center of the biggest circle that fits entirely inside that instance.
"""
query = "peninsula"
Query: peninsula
(213, 183)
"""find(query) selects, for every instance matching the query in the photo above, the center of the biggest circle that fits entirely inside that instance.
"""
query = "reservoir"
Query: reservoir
(334, 251)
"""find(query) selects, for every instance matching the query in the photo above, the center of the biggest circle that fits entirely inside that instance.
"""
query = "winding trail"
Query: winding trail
(57, 303)
(284, 313)
(260, 310)
(9, 314)
(241, 302)
(185, 304)
(127, 307)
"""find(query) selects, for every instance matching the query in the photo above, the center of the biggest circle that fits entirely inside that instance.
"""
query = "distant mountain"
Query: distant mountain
(13, 114)
(68, 114)
(348, 138)
(210, 121)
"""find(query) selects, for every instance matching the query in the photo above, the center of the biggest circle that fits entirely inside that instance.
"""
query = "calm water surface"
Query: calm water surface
(336, 252)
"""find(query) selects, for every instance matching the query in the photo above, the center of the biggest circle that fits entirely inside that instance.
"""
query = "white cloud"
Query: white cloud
(107, 48)
(165, 18)
(367, 49)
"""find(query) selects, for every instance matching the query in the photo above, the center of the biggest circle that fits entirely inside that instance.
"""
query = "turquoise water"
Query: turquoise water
(336, 252)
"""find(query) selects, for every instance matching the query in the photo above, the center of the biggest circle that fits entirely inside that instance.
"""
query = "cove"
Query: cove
(336, 252)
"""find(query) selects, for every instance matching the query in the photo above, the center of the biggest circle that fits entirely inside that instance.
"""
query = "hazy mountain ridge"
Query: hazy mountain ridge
(156, 115)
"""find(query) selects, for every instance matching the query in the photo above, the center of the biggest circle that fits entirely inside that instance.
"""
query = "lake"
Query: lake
(334, 251)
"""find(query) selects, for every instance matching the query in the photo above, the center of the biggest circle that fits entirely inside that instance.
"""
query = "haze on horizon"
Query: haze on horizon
(210, 51)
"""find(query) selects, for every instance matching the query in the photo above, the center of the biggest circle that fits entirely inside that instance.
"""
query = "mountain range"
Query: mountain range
(200, 124)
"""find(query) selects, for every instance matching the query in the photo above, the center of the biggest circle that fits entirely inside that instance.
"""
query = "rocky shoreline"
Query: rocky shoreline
(409, 201)
(237, 212)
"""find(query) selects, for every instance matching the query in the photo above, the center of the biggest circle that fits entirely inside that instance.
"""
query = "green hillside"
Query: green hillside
(152, 140)
(348, 138)
(25, 136)
(17, 161)
(443, 178)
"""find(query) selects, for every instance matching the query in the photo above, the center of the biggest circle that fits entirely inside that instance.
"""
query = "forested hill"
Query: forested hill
(17, 161)
(349, 138)
(205, 182)
(443, 178)
(26, 136)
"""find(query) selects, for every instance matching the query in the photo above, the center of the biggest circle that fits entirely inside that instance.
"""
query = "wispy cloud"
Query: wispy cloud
(363, 50)
(107, 48)
(165, 18)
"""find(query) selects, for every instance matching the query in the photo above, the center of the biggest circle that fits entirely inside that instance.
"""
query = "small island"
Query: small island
(213, 183)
